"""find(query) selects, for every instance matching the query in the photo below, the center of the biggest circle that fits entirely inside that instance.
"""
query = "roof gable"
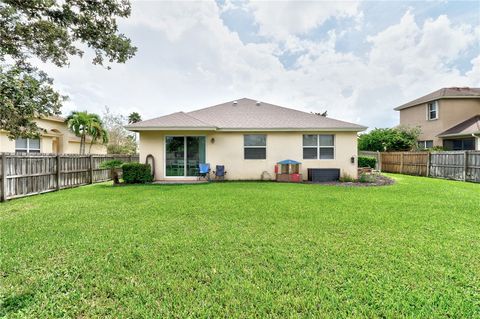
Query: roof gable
(468, 127)
(444, 93)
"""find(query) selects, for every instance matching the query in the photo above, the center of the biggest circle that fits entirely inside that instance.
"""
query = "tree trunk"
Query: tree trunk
(82, 144)
(115, 177)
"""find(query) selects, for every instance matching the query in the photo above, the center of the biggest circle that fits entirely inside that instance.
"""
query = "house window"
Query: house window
(27, 145)
(425, 144)
(321, 146)
(459, 144)
(255, 146)
(432, 110)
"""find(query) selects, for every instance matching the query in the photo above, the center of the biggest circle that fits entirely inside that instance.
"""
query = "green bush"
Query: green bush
(399, 138)
(367, 161)
(346, 179)
(366, 178)
(136, 173)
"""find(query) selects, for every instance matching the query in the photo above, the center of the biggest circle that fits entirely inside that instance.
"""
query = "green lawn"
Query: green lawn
(244, 250)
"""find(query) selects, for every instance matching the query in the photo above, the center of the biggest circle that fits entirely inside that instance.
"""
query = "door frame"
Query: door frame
(184, 176)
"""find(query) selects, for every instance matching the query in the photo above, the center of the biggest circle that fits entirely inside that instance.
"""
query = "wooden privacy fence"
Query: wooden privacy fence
(29, 174)
(457, 165)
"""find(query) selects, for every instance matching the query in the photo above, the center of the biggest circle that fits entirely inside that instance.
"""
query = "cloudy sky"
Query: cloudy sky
(355, 59)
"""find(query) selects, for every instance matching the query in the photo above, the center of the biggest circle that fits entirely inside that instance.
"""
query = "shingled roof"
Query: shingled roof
(468, 127)
(246, 114)
(445, 93)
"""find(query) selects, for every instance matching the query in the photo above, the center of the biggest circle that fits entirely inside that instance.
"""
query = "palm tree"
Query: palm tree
(83, 124)
(97, 131)
(134, 117)
(78, 123)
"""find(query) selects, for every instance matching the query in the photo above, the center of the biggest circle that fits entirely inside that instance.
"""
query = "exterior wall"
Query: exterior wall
(228, 150)
(6, 145)
(56, 139)
(450, 113)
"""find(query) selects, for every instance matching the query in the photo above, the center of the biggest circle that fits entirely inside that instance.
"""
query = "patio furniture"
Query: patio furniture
(220, 172)
(204, 170)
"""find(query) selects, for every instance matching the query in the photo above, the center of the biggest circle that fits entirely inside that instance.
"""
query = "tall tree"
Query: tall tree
(121, 141)
(52, 31)
(97, 132)
(134, 117)
(84, 124)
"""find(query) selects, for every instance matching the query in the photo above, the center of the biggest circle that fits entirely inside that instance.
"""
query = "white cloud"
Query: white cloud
(282, 19)
(189, 59)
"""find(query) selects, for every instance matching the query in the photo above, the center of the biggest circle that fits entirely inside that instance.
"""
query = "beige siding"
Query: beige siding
(55, 139)
(228, 150)
(450, 113)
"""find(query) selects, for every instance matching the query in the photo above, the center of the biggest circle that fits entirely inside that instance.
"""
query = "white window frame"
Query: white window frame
(429, 112)
(424, 144)
(29, 149)
(248, 146)
(318, 147)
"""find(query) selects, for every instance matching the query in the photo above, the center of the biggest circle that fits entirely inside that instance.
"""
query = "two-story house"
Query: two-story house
(55, 137)
(449, 117)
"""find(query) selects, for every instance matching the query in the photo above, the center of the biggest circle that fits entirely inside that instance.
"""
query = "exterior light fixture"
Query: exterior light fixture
(352, 159)
(212, 140)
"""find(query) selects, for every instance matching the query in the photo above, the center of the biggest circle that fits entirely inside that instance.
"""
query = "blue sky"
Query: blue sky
(355, 59)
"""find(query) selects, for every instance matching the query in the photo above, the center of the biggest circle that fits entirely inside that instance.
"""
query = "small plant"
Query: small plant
(346, 179)
(137, 173)
(367, 161)
(366, 178)
(113, 166)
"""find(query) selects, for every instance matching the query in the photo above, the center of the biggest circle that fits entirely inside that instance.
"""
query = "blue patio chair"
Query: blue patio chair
(204, 170)
(220, 172)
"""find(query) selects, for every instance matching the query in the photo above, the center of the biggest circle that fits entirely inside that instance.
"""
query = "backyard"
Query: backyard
(243, 249)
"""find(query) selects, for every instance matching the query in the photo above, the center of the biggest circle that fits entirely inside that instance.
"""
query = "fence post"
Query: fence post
(379, 161)
(428, 164)
(58, 173)
(3, 186)
(91, 168)
(465, 164)
(401, 163)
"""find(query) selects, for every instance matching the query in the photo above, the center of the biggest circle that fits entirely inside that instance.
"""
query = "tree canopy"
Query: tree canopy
(134, 117)
(84, 124)
(52, 31)
(389, 139)
(121, 141)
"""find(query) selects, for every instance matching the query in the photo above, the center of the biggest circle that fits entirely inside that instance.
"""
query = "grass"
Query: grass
(244, 250)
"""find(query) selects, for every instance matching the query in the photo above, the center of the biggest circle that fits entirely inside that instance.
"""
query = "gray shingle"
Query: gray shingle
(443, 93)
(248, 114)
(468, 127)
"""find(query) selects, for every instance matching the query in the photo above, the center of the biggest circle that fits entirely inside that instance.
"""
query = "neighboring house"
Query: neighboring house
(249, 138)
(449, 117)
(55, 137)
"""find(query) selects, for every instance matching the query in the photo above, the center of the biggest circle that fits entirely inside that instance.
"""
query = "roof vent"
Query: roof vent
(235, 103)
(258, 103)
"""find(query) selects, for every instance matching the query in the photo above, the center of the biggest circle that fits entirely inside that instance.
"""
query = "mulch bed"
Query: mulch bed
(380, 180)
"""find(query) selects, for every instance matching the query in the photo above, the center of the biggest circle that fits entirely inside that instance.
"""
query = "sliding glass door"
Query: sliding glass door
(183, 154)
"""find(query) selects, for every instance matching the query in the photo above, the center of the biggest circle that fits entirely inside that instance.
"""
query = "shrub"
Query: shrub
(366, 178)
(367, 161)
(346, 179)
(112, 165)
(134, 173)
(399, 138)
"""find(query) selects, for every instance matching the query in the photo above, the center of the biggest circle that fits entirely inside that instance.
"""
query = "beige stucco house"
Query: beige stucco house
(54, 138)
(449, 117)
(247, 137)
